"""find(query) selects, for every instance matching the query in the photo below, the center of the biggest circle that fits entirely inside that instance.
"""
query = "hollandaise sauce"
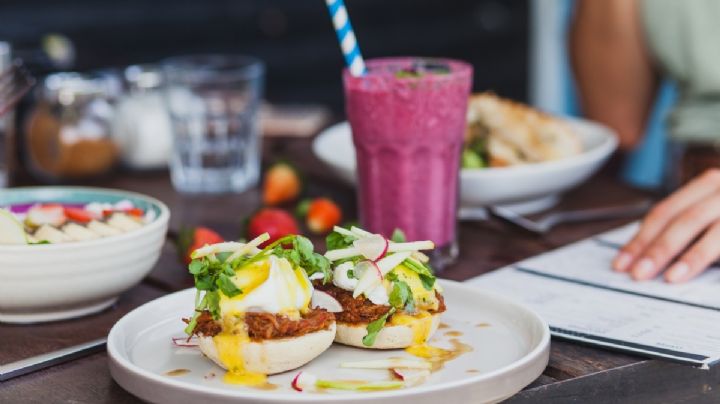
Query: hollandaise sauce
(270, 285)
(421, 326)
(230, 353)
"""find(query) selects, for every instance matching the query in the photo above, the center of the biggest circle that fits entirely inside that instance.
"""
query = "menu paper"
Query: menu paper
(575, 290)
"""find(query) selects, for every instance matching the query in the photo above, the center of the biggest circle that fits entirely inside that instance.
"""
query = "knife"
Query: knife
(42, 361)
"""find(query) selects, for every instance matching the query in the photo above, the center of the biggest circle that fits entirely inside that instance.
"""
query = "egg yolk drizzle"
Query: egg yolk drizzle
(421, 323)
(278, 285)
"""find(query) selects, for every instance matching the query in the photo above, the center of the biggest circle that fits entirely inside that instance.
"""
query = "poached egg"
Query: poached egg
(271, 285)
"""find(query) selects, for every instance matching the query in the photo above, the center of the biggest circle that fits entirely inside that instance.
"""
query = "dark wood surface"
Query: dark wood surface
(576, 373)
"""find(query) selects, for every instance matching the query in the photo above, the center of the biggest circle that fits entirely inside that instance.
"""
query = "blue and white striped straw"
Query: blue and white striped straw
(346, 36)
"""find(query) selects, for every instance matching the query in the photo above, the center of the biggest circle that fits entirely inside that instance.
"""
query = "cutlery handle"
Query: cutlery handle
(612, 212)
(28, 365)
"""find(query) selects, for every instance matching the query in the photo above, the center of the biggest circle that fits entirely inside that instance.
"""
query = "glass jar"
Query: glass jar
(68, 132)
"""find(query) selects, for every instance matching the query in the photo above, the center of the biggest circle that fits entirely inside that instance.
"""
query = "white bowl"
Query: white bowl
(525, 189)
(59, 281)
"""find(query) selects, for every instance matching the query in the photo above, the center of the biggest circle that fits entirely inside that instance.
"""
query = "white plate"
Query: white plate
(525, 189)
(510, 349)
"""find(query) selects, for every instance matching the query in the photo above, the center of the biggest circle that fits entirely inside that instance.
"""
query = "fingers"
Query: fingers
(661, 216)
(698, 257)
(676, 236)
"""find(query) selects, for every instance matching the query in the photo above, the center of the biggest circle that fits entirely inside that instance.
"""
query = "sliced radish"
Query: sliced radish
(11, 230)
(388, 364)
(294, 382)
(370, 279)
(53, 215)
(372, 247)
(304, 381)
(324, 301)
(411, 377)
(184, 342)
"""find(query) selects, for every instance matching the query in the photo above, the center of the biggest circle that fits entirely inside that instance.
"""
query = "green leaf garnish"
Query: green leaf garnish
(425, 273)
(398, 236)
(374, 328)
(226, 285)
(406, 74)
(213, 274)
(197, 266)
(336, 241)
(400, 294)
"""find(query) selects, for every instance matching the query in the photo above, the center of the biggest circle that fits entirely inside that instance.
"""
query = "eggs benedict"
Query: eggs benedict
(388, 293)
(253, 315)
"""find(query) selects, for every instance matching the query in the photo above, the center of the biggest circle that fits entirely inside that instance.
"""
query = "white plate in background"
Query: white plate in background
(524, 189)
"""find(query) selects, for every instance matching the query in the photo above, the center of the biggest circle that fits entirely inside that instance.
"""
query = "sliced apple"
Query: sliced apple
(11, 230)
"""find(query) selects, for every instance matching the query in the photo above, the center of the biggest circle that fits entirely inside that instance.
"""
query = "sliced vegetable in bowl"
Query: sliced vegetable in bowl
(56, 222)
(11, 230)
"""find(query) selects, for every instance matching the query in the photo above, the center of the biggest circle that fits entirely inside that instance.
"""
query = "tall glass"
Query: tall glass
(408, 121)
(214, 102)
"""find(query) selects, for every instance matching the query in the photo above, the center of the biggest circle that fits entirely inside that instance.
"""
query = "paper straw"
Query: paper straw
(346, 36)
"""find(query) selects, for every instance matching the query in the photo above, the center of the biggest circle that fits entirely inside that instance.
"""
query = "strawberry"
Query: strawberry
(276, 222)
(193, 238)
(322, 215)
(78, 214)
(282, 184)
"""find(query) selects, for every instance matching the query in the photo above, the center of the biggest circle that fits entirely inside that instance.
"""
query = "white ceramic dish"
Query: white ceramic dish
(510, 349)
(59, 281)
(524, 189)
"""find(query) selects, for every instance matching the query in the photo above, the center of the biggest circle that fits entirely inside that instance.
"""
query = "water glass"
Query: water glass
(213, 102)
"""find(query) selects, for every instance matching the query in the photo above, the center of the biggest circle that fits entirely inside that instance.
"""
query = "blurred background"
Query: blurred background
(294, 38)
(517, 47)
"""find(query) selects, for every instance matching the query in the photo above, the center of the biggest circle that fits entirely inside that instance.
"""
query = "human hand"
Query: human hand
(680, 235)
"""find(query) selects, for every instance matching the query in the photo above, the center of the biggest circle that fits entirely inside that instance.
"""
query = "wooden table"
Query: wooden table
(576, 374)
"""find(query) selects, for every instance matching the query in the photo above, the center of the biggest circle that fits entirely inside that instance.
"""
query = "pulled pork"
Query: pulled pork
(360, 309)
(268, 325)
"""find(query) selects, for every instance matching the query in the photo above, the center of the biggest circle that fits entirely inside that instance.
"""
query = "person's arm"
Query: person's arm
(613, 69)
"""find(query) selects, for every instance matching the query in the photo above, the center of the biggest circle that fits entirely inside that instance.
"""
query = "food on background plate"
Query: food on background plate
(502, 133)
(282, 184)
(253, 315)
(388, 293)
(192, 238)
(55, 223)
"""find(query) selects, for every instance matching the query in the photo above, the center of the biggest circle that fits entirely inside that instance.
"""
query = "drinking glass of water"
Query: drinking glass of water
(213, 102)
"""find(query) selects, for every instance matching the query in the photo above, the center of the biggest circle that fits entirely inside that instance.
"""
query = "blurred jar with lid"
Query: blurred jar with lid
(68, 132)
(141, 126)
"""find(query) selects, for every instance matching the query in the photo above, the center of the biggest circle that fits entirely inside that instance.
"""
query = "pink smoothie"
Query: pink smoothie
(408, 131)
